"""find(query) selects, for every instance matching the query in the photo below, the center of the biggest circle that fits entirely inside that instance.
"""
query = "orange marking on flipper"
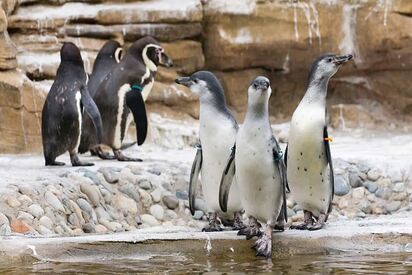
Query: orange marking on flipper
(328, 139)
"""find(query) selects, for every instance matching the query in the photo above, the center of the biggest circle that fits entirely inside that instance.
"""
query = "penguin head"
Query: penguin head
(202, 83)
(259, 90)
(70, 53)
(113, 49)
(326, 66)
(152, 53)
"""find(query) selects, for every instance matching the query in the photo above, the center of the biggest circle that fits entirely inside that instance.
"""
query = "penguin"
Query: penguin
(107, 58)
(258, 168)
(218, 130)
(120, 97)
(309, 162)
(62, 111)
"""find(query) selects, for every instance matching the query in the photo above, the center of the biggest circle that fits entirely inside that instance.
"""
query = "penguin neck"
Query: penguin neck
(316, 92)
(214, 104)
(257, 111)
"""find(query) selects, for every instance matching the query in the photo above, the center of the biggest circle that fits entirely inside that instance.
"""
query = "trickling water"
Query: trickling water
(312, 19)
(380, 5)
(349, 44)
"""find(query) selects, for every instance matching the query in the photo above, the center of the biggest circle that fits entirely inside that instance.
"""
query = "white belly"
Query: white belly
(307, 167)
(257, 177)
(79, 117)
(217, 137)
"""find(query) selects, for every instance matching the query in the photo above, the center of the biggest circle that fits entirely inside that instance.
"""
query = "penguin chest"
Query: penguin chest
(121, 109)
(307, 169)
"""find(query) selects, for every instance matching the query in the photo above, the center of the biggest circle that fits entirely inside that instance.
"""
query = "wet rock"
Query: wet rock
(66, 229)
(109, 174)
(130, 190)
(46, 221)
(73, 207)
(374, 174)
(198, 215)
(399, 187)
(92, 192)
(13, 202)
(393, 206)
(156, 195)
(146, 198)
(87, 208)
(54, 201)
(358, 193)
(101, 229)
(383, 193)
(170, 215)
(107, 196)
(171, 202)
(19, 226)
(182, 195)
(89, 228)
(145, 184)
(36, 210)
(341, 186)
(157, 212)
(149, 220)
(74, 220)
(92, 176)
(124, 204)
(355, 180)
(102, 214)
(44, 230)
(371, 186)
(126, 176)
(5, 230)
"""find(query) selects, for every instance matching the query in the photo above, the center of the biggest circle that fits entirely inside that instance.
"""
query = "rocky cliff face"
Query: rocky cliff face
(237, 39)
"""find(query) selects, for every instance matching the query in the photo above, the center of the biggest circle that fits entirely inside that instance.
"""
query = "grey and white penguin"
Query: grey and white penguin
(120, 97)
(62, 112)
(309, 161)
(218, 130)
(258, 167)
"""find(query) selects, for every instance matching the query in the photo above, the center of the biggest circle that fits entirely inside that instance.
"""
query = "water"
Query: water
(131, 258)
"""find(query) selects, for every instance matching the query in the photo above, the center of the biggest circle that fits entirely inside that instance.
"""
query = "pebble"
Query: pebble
(171, 202)
(86, 207)
(125, 204)
(102, 214)
(290, 212)
(109, 174)
(155, 171)
(157, 211)
(371, 186)
(358, 193)
(130, 190)
(399, 187)
(341, 186)
(89, 228)
(198, 215)
(19, 226)
(126, 176)
(156, 195)
(355, 180)
(101, 229)
(200, 205)
(25, 200)
(167, 186)
(170, 215)
(5, 230)
(149, 220)
(374, 174)
(92, 176)
(25, 216)
(92, 192)
(146, 198)
(365, 207)
(13, 202)
(54, 201)
(3, 219)
(363, 167)
(182, 195)
(73, 220)
(36, 210)
(46, 221)
(145, 184)
(383, 193)
(73, 207)
(393, 206)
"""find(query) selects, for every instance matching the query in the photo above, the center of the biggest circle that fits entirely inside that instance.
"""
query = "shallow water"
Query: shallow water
(122, 258)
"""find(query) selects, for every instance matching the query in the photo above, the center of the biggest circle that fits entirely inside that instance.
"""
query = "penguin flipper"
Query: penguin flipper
(135, 102)
(329, 159)
(93, 112)
(280, 164)
(285, 160)
(227, 180)
(194, 178)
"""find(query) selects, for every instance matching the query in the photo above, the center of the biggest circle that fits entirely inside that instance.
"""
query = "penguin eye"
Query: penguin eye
(330, 59)
(195, 80)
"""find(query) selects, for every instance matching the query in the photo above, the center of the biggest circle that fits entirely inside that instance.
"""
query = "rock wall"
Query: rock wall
(237, 39)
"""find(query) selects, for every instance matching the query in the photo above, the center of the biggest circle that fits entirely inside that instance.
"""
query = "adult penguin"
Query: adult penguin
(62, 111)
(309, 161)
(121, 95)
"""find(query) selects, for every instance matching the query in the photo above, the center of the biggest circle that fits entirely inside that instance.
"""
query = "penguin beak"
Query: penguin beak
(185, 81)
(260, 85)
(340, 59)
(165, 60)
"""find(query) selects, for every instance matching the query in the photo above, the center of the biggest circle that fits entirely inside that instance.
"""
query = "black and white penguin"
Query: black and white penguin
(258, 167)
(218, 130)
(62, 111)
(309, 161)
(120, 97)
(106, 60)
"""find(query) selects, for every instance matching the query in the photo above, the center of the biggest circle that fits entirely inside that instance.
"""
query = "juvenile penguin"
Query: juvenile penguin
(107, 58)
(258, 168)
(62, 111)
(309, 161)
(120, 97)
(217, 136)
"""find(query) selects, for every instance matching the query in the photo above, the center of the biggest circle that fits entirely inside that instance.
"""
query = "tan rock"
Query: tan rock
(19, 226)
(350, 116)
(8, 6)
(187, 55)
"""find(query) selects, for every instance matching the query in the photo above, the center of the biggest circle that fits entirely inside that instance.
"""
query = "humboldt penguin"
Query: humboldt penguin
(309, 161)
(218, 130)
(62, 111)
(120, 97)
(258, 167)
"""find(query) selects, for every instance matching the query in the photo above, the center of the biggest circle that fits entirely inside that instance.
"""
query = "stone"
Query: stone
(112, 226)
(351, 116)
(155, 171)
(383, 193)
(371, 186)
(198, 215)
(182, 195)
(87, 208)
(374, 174)
(171, 202)
(170, 215)
(3, 219)
(101, 229)
(144, 184)
(25, 200)
(26, 217)
(358, 193)
(200, 205)
(149, 220)
(399, 187)
(19, 226)
(73, 207)
(341, 186)
(290, 212)
(74, 220)
(157, 211)
(146, 198)
(46, 221)
(36, 210)
(130, 190)
(92, 192)
(102, 214)
(53, 201)
(365, 207)
(125, 204)
(92, 175)
(109, 174)
(187, 55)
(44, 230)
(89, 228)
(156, 195)
(13, 202)
(126, 176)
(5, 230)
(393, 206)
(355, 180)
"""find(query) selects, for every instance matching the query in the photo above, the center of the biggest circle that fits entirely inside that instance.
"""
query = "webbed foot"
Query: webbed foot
(101, 154)
(308, 221)
(238, 223)
(55, 163)
(263, 245)
(74, 158)
(318, 224)
(251, 230)
(214, 224)
(121, 157)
